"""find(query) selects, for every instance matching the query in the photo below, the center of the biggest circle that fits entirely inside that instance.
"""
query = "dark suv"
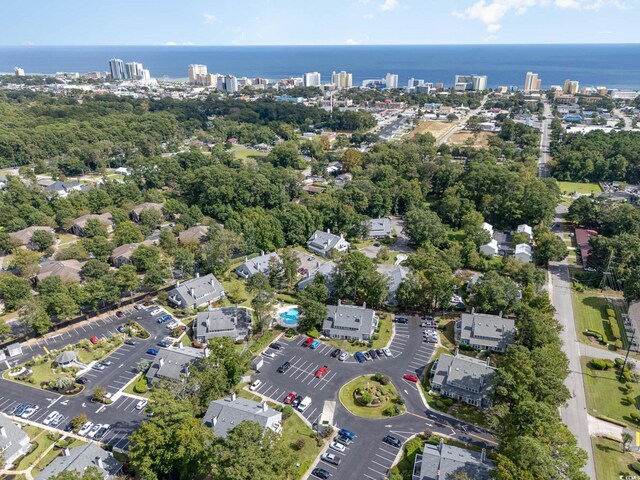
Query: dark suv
(336, 352)
(393, 441)
(320, 473)
(296, 401)
(284, 367)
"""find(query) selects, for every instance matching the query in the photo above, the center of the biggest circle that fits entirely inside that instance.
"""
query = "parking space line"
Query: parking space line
(384, 458)
(377, 463)
(369, 476)
(374, 470)
(312, 412)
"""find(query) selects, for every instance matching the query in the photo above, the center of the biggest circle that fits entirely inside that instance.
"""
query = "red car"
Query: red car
(322, 371)
(411, 378)
(309, 341)
(94, 340)
(289, 398)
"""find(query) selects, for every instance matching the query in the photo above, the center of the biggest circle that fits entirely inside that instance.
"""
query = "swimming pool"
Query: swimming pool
(290, 317)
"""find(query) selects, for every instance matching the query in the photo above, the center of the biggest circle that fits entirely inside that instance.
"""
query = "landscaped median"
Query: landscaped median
(45, 372)
(372, 396)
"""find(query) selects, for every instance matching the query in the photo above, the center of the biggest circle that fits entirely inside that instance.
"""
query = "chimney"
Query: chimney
(233, 396)
(328, 230)
(339, 302)
(364, 304)
(192, 292)
(455, 354)
(483, 455)
(66, 452)
(197, 274)
(3, 432)
(161, 361)
(178, 283)
(488, 361)
(500, 314)
(99, 463)
(265, 407)
(214, 420)
(212, 282)
(246, 259)
(261, 253)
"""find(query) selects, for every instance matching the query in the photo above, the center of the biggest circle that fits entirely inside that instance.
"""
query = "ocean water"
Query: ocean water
(614, 66)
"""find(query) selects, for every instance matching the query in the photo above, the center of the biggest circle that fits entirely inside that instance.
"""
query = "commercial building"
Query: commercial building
(391, 80)
(312, 79)
(116, 67)
(485, 332)
(342, 79)
(532, 84)
(350, 322)
(196, 73)
(225, 414)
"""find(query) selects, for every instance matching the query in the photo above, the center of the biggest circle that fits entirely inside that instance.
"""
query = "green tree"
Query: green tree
(312, 313)
(26, 262)
(95, 228)
(425, 228)
(145, 257)
(42, 239)
(127, 279)
(285, 155)
(290, 265)
(276, 273)
(90, 473)
(218, 249)
(494, 293)
(33, 314)
(352, 160)
(78, 421)
(549, 247)
(127, 232)
(14, 290)
(94, 270)
(184, 260)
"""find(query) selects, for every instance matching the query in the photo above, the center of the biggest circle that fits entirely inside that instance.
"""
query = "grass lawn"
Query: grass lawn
(66, 239)
(455, 235)
(130, 390)
(589, 311)
(604, 395)
(247, 154)
(44, 461)
(258, 343)
(609, 459)
(347, 399)
(578, 187)
(40, 442)
(462, 411)
(447, 335)
(293, 428)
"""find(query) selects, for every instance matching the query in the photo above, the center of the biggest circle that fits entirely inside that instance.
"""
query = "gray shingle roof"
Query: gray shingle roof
(173, 363)
(470, 375)
(251, 266)
(379, 227)
(67, 270)
(24, 236)
(13, 440)
(221, 322)
(196, 233)
(486, 331)
(351, 320)
(440, 461)
(229, 412)
(66, 357)
(197, 291)
(81, 458)
(323, 241)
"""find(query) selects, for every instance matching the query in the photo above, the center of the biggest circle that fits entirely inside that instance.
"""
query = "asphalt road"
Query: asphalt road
(574, 414)
(545, 142)
(367, 457)
(122, 415)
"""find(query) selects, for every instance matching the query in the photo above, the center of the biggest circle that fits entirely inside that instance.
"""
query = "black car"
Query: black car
(393, 441)
(276, 346)
(82, 380)
(336, 352)
(373, 353)
(296, 401)
(284, 367)
(343, 440)
(320, 473)
(401, 320)
(380, 352)
(130, 342)
(120, 329)
(68, 427)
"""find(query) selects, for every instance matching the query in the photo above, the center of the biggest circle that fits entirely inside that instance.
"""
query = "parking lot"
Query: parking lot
(122, 415)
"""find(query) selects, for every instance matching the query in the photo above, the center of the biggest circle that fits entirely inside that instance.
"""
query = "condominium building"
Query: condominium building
(116, 67)
(532, 84)
(312, 79)
(474, 83)
(342, 79)
(133, 71)
(392, 80)
(18, 72)
(571, 87)
(197, 73)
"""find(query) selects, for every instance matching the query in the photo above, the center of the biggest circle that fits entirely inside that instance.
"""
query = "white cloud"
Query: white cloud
(171, 44)
(389, 5)
(28, 43)
(368, 16)
(351, 41)
(492, 12)
(209, 18)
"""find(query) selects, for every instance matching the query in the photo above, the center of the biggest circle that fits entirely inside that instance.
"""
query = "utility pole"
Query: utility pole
(624, 364)
(607, 274)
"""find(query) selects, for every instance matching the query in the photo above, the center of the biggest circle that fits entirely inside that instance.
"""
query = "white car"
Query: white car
(255, 385)
(343, 356)
(141, 404)
(172, 325)
(157, 311)
(50, 418)
(30, 411)
(85, 428)
(56, 421)
(269, 354)
(338, 447)
(92, 433)
(387, 352)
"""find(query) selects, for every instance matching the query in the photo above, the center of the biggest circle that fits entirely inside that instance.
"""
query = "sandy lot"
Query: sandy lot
(480, 139)
(435, 128)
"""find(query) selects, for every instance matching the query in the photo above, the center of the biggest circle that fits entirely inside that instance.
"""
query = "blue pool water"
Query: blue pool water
(290, 317)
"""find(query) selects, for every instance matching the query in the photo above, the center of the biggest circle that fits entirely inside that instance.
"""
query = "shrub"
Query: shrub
(63, 443)
(448, 401)
(635, 416)
(627, 400)
(598, 364)
(313, 332)
(626, 375)
(376, 377)
(411, 448)
(615, 327)
(299, 443)
(610, 363)
(366, 398)
(385, 380)
(619, 362)
(141, 385)
(287, 411)
(635, 466)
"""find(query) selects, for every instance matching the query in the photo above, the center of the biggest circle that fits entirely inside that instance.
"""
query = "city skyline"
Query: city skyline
(364, 22)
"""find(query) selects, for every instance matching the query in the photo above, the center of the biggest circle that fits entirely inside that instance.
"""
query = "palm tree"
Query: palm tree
(63, 383)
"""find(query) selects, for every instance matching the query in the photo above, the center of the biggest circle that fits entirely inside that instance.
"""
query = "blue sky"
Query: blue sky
(306, 22)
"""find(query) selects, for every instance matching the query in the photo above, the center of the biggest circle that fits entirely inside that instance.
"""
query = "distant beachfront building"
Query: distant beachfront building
(532, 83)
(116, 67)
(342, 79)
(312, 79)
(197, 73)
(392, 80)
(474, 83)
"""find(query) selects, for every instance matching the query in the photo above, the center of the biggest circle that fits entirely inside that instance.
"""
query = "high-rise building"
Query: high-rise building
(18, 72)
(197, 74)
(116, 67)
(133, 71)
(312, 79)
(474, 83)
(342, 79)
(415, 82)
(230, 83)
(391, 80)
(532, 84)
(571, 87)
